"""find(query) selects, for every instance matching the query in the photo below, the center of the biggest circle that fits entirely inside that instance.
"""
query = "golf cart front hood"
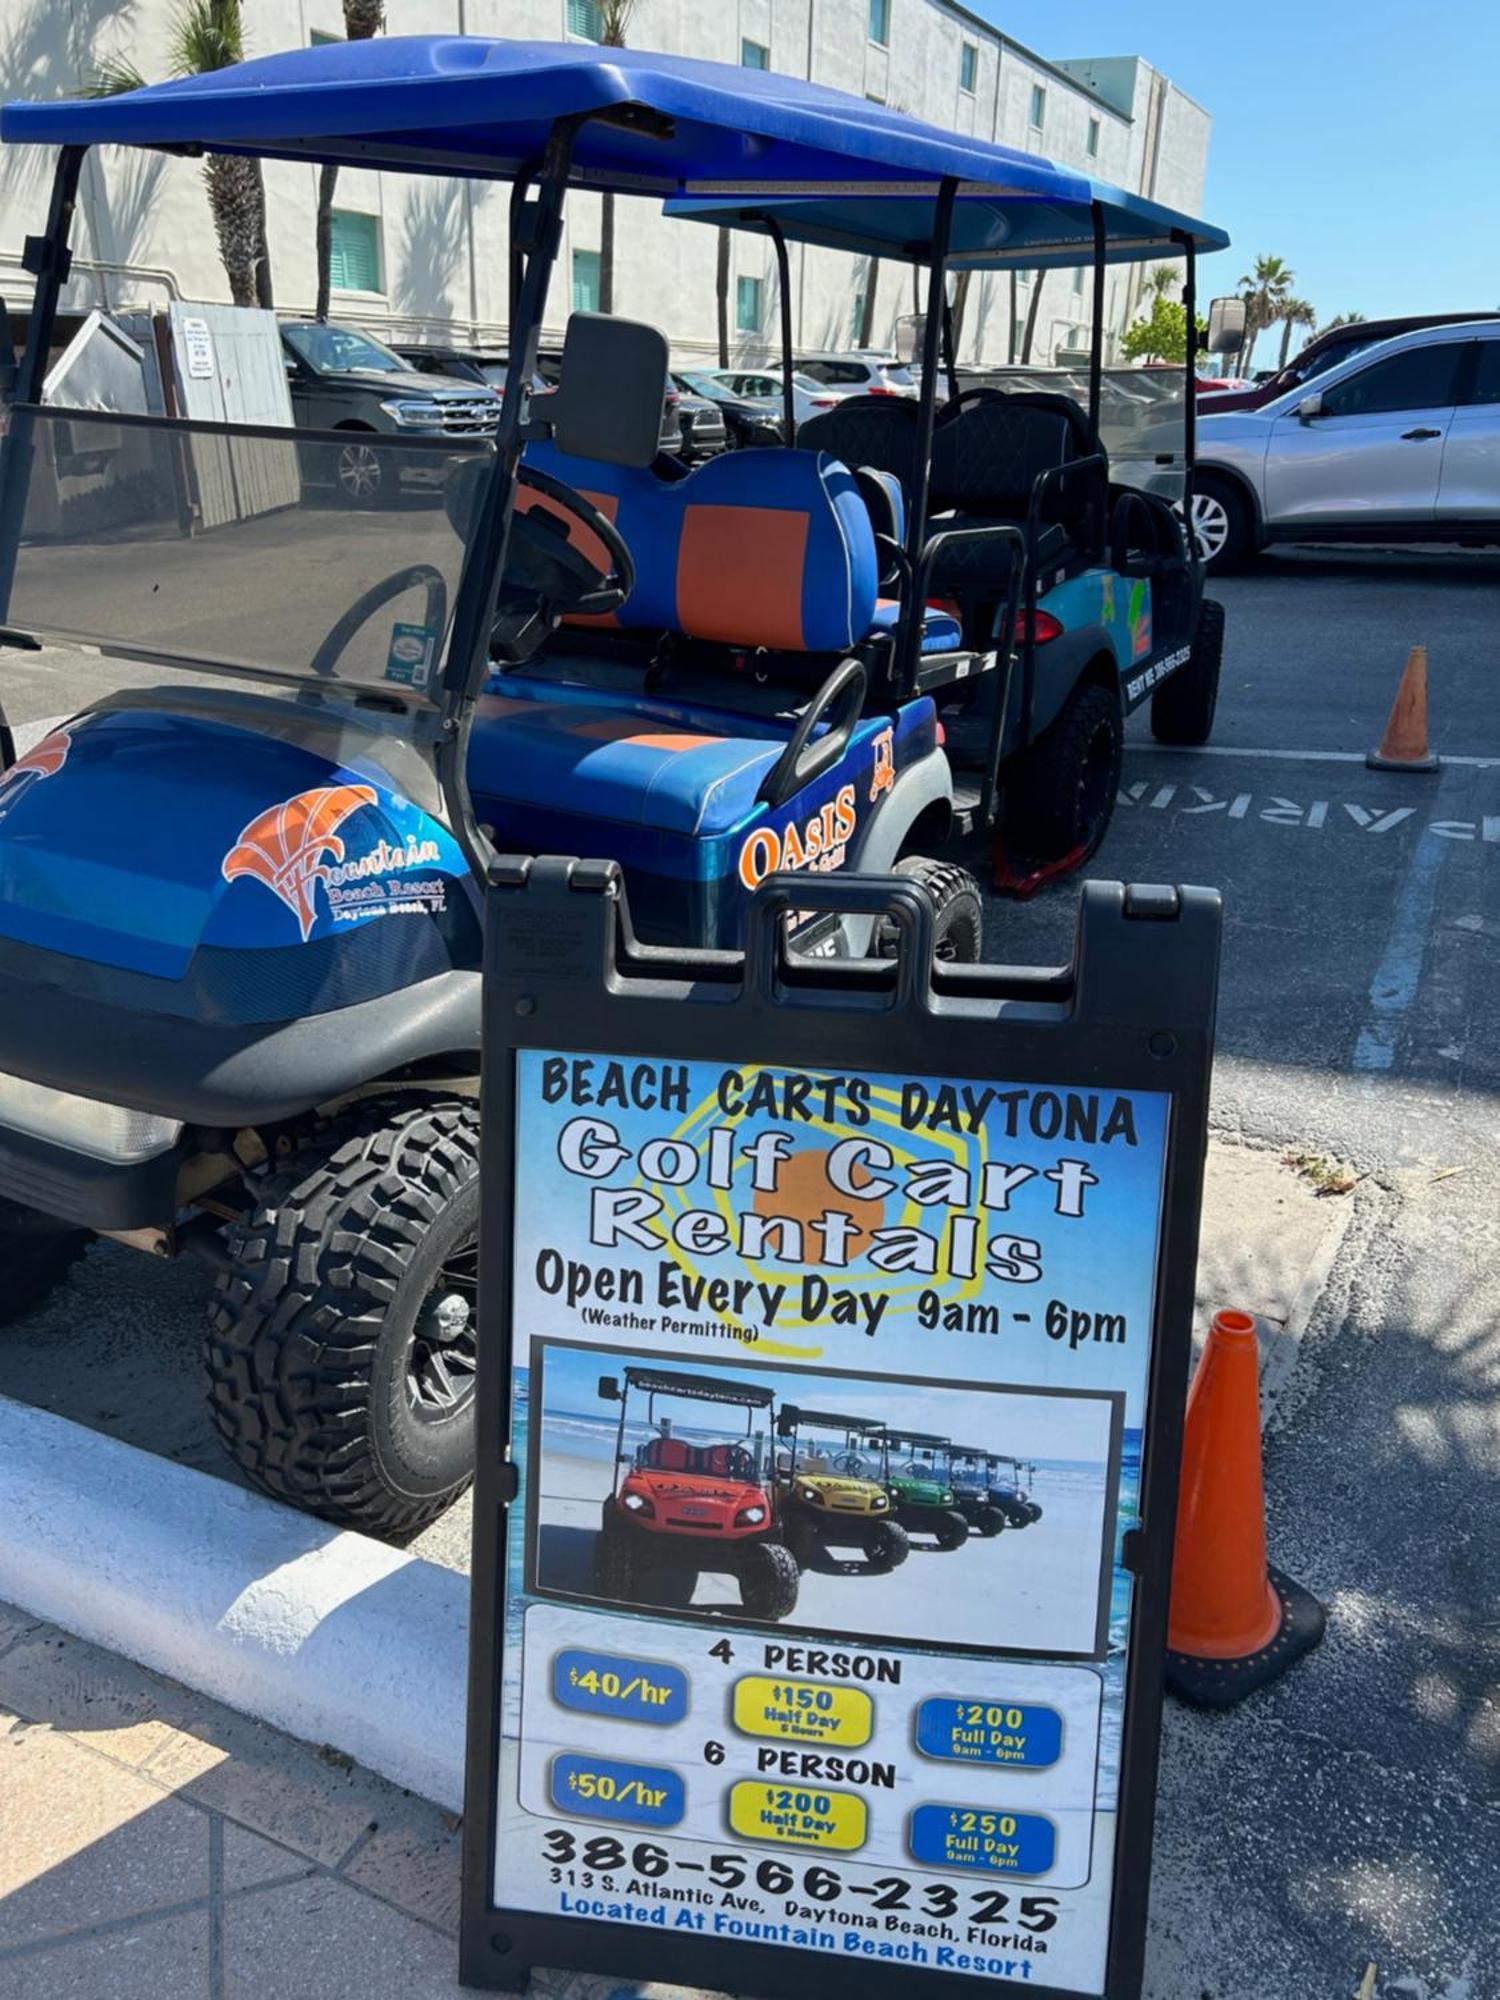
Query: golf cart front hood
(243, 865)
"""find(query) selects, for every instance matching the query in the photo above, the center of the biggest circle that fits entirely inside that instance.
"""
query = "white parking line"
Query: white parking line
(1290, 756)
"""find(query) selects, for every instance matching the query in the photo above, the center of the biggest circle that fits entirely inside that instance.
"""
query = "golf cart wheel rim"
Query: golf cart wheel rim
(1210, 525)
(443, 1353)
(359, 471)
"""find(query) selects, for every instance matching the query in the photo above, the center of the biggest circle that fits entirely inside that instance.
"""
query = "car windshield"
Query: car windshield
(704, 385)
(338, 350)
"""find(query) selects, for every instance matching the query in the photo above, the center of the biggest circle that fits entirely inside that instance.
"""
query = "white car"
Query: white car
(763, 386)
(859, 374)
(1399, 444)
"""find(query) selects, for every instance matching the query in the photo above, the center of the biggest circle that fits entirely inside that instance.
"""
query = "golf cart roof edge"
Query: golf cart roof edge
(706, 1388)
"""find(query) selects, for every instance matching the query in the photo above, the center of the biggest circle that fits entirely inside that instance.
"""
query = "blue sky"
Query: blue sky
(1360, 143)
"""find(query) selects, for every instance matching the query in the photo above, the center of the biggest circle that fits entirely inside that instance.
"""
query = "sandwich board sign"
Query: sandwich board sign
(835, 1327)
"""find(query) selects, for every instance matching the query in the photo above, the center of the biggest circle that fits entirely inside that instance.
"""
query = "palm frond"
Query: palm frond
(113, 77)
(205, 35)
(615, 17)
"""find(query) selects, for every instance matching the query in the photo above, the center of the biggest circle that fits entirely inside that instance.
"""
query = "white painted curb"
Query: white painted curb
(327, 1634)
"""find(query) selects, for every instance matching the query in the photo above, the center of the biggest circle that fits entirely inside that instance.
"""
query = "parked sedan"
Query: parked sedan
(1399, 444)
(761, 388)
(747, 422)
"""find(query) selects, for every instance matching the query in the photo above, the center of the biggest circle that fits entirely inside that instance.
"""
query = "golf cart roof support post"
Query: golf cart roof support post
(1190, 411)
(484, 562)
(909, 642)
(950, 359)
(1096, 331)
(784, 282)
(520, 187)
(47, 257)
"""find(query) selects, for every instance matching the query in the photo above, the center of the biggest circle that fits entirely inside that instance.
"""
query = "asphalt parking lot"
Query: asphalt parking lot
(1350, 1817)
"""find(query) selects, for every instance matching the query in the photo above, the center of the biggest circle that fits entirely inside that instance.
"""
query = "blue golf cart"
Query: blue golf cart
(240, 908)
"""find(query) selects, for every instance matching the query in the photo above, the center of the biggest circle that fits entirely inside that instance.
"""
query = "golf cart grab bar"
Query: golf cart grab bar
(803, 759)
(932, 548)
(1095, 468)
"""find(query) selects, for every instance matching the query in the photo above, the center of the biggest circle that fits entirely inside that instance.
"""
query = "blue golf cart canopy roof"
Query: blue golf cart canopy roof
(667, 125)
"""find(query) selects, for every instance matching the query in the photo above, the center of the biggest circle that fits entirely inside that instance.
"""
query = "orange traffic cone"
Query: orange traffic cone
(1404, 746)
(1235, 1622)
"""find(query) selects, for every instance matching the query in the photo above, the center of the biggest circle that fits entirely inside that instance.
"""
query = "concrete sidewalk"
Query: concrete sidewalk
(154, 1843)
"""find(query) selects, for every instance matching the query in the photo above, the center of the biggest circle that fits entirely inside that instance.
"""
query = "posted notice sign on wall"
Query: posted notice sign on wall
(828, 1391)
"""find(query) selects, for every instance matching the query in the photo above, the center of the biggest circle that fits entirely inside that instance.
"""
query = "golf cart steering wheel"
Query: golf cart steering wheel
(544, 556)
(417, 576)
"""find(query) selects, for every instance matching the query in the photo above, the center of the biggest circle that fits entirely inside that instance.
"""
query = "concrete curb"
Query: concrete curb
(328, 1635)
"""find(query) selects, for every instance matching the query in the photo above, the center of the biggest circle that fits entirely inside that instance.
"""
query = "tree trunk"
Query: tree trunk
(1038, 280)
(1010, 326)
(960, 307)
(1286, 343)
(607, 255)
(239, 221)
(264, 295)
(721, 288)
(867, 317)
(325, 237)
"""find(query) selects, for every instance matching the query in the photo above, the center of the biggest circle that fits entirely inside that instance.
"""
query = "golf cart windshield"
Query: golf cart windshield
(337, 350)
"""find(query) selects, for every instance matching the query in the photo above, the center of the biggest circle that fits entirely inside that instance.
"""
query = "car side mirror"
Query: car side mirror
(1310, 407)
(608, 404)
(609, 1388)
(1226, 326)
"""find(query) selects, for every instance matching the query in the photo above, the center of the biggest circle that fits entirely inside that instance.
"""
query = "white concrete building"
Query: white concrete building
(420, 257)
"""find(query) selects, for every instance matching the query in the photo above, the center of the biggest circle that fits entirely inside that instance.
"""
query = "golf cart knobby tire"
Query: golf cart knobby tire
(310, 1326)
(768, 1581)
(989, 1522)
(1060, 794)
(1182, 709)
(958, 933)
(886, 1546)
(951, 1529)
(33, 1263)
(616, 1572)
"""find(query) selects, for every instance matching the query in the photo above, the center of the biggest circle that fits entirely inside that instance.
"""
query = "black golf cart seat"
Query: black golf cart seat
(1014, 458)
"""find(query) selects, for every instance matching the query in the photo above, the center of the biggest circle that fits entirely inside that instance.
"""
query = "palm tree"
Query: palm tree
(1264, 290)
(1160, 279)
(1038, 279)
(208, 35)
(865, 335)
(362, 19)
(721, 289)
(1343, 319)
(614, 22)
(1294, 312)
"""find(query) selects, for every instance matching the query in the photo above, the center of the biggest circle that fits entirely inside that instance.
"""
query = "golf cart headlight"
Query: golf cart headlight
(749, 1517)
(85, 1125)
(878, 1502)
(634, 1504)
(811, 1495)
(414, 416)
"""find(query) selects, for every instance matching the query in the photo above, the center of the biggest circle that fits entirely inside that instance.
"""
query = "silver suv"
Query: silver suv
(1399, 444)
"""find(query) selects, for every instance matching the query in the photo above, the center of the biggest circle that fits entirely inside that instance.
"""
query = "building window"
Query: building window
(583, 19)
(754, 55)
(1038, 108)
(319, 38)
(585, 281)
(354, 261)
(880, 23)
(857, 318)
(968, 68)
(747, 305)
(1079, 275)
(1091, 144)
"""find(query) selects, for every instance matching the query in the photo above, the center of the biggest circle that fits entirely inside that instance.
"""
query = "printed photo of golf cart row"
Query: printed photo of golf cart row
(717, 1492)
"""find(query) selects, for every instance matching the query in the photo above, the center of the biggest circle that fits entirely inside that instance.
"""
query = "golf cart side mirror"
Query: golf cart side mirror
(1310, 407)
(911, 336)
(608, 404)
(609, 1388)
(1226, 326)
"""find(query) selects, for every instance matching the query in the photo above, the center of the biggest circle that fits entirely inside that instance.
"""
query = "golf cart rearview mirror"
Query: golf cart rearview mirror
(609, 1388)
(609, 402)
(1310, 406)
(1226, 326)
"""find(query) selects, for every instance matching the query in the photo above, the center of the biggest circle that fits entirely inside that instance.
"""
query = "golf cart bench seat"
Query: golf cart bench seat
(708, 1461)
(771, 550)
(585, 754)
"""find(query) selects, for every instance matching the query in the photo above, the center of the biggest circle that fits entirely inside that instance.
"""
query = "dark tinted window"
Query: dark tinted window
(1487, 382)
(1420, 379)
(840, 372)
(1331, 356)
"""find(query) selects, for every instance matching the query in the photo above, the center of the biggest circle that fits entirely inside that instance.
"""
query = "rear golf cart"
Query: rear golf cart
(240, 985)
(990, 1490)
(692, 1499)
(823, 1509)
(914, 1471)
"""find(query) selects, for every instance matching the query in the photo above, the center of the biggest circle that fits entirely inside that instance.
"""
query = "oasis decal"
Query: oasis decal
(820, 842)
(294, 847)
(42, 760)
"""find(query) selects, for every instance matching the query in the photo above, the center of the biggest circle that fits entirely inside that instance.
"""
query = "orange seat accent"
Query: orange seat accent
(739, 570)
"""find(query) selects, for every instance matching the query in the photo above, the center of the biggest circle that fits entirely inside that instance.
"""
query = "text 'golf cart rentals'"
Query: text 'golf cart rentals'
(240, 990)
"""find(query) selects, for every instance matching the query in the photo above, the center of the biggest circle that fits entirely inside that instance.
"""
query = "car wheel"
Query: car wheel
(1223, 530)
(362, 475)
